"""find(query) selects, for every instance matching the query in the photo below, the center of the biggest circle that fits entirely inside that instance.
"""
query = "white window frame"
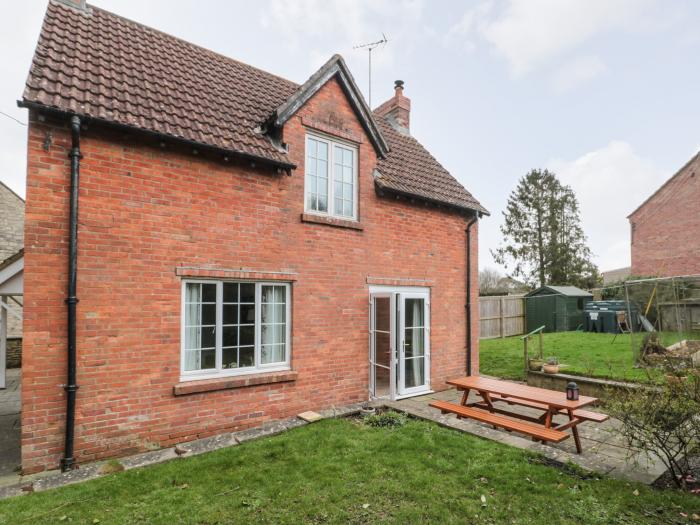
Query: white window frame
(218, 371)
(331, 143)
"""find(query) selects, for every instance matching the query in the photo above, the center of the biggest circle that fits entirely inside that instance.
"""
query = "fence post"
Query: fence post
(527, 367)
(502, 320)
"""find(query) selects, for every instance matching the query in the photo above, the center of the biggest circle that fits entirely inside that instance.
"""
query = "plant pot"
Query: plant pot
(535, 365)
(551, 369)
(368, 411)
(675, 380)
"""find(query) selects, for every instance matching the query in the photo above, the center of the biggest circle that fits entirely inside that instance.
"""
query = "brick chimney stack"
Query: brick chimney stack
(397, 109)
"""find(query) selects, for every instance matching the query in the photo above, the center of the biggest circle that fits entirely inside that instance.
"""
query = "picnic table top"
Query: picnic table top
(552, 398)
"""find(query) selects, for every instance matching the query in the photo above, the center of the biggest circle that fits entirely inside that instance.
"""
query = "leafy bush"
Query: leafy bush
(665, 420)
(389, 419)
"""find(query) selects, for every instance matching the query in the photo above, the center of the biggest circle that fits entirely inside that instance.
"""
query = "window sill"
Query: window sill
(331, 221)
(226, 383)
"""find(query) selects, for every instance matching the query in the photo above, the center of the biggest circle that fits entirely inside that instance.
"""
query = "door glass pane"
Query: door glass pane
(414, 342)
(415, 372)
(382, 347)
(414, 312)
(382, 313)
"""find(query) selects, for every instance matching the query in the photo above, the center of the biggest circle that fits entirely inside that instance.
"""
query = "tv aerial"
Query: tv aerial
(371, 46)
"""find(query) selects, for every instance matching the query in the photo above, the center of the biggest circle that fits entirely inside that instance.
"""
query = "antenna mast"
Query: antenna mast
(371, 47)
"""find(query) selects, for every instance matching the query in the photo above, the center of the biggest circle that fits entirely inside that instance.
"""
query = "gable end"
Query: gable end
(334, 67)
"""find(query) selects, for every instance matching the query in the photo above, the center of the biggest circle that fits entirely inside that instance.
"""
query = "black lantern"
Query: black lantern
(572, 392)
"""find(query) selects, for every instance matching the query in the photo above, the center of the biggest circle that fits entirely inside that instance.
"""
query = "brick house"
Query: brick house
(665, 228)
(247, 248)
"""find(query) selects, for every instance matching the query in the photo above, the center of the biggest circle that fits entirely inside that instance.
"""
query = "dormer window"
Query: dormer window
(331, 178)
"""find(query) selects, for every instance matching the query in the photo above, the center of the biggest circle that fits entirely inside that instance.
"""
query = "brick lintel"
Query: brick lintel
(399, 281)
(235, 273)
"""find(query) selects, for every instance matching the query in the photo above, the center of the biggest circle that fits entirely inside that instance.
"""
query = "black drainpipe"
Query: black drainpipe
(469, 293)
(71, 387)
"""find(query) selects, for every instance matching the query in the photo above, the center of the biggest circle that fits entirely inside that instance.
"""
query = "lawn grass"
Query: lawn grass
(580, 353)
(339, 471)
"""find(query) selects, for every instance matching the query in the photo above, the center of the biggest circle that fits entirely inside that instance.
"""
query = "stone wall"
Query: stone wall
(14, 353)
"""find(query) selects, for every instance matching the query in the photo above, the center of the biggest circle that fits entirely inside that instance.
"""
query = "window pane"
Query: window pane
(273, 313)
(209, 293)
(338, 189)
(322, 174)
(230, 292)
(246, 356)
(322, 151)
(192, 335)
(247, 292)
(347, 174)
(273, 333)
(230, 315)
(338, 206)
(192, 360)
(272, 354)
(208, 359)
(229, 336)
(347, 209)
(209, 337)
(247, 314)
(193, 314)
(209, 314)
(229, 358)
(312, 147)
(247, 335)
(323, 203)
(193, 293)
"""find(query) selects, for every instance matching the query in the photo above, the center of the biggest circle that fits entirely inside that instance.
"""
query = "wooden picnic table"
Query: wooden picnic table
(550, 402)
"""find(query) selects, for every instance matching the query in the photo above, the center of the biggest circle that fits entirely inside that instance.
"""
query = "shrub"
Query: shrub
(389, 419)
(663, 420)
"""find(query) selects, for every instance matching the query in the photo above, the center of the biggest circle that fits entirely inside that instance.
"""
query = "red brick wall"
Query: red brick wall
(145, 211)
(665, 231)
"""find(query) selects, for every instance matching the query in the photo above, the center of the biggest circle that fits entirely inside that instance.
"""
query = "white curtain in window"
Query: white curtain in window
(417, 342)
(193, 320)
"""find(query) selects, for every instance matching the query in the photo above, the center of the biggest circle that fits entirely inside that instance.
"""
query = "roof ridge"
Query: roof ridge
(187, 42)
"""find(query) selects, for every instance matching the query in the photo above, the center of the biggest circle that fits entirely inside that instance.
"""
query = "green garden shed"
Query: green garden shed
(558, 308)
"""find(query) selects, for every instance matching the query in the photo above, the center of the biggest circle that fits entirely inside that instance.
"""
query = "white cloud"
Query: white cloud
(610, 183)
(577, 72)
(529, 33)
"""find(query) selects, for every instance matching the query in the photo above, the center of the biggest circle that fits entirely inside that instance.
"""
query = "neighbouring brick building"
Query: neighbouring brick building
(665, 229)
(248, 248)
(11, 242)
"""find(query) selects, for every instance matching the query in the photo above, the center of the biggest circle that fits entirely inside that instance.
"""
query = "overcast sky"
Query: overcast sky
(604, 92)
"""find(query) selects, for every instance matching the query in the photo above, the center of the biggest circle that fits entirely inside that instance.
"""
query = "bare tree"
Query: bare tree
(490, 281)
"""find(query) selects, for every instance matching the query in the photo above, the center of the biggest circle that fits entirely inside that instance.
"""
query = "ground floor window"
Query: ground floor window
(230, 328)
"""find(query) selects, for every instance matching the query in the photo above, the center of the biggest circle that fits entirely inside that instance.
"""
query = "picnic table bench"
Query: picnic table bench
(541, 428)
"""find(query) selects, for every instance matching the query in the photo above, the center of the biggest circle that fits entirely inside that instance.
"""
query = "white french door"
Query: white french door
(399, 342)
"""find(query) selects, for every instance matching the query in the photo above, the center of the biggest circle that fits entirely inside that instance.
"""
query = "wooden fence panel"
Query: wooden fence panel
(501, 316)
